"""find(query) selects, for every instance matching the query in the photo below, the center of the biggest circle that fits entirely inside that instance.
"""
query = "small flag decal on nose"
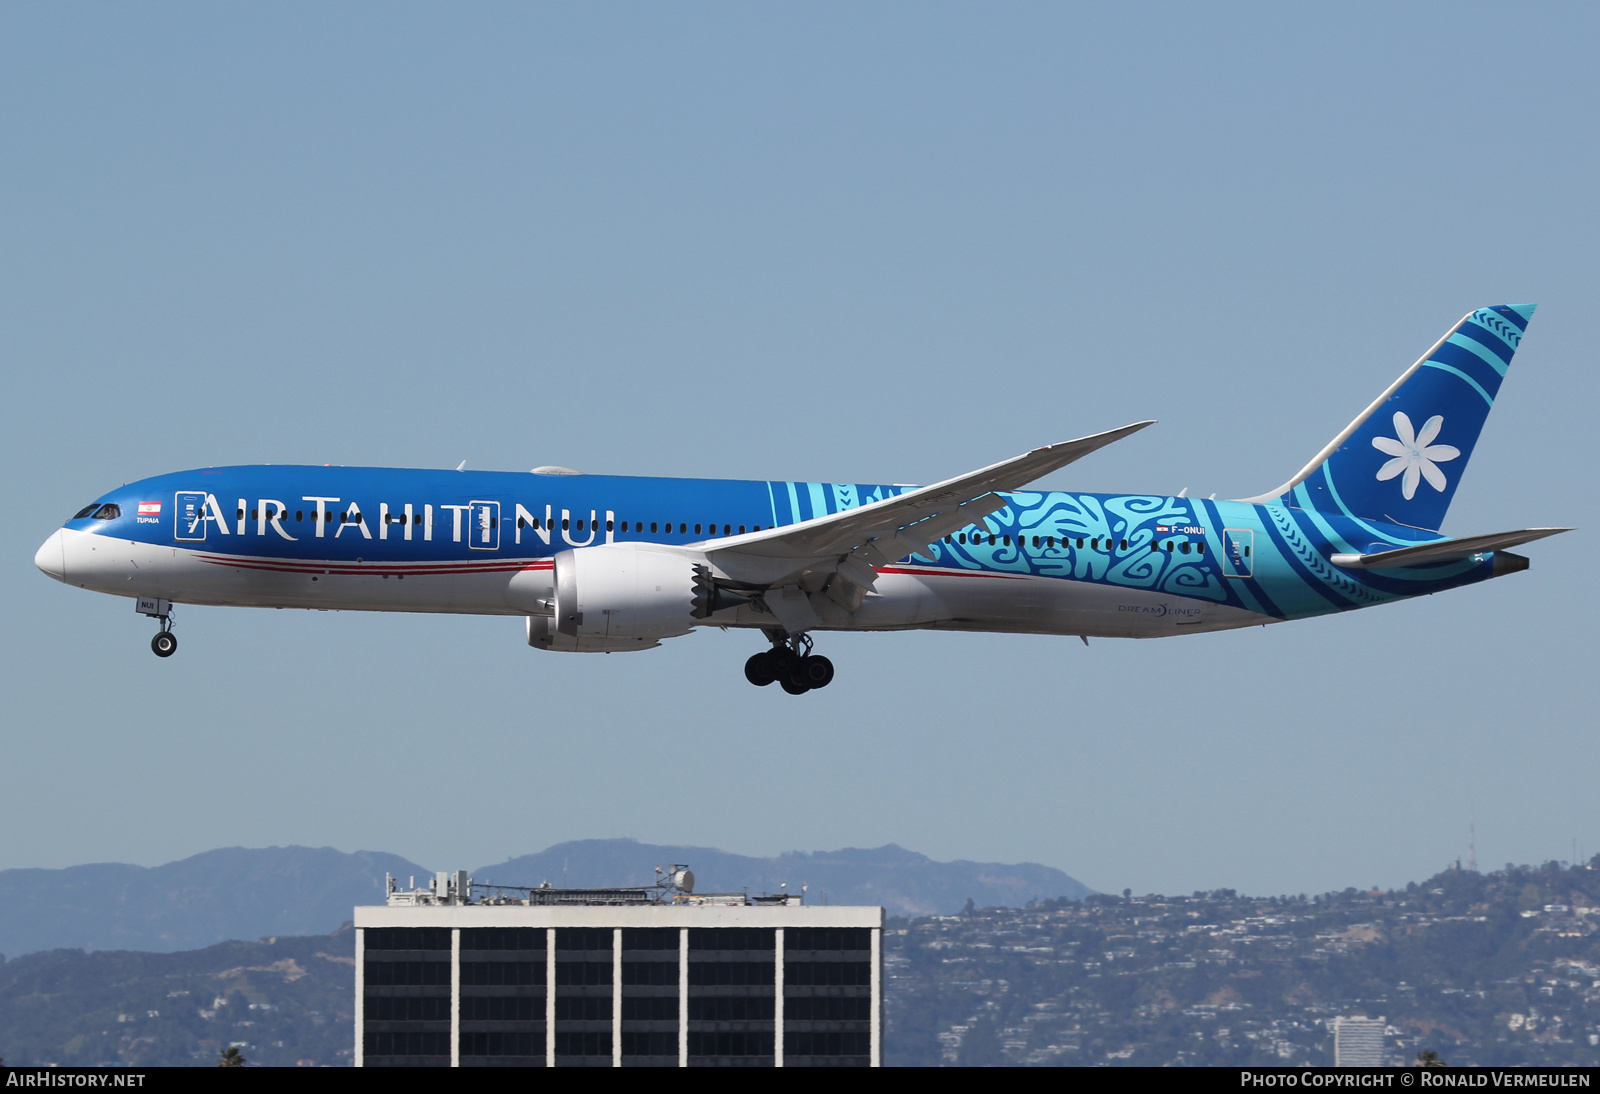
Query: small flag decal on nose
(149, 508)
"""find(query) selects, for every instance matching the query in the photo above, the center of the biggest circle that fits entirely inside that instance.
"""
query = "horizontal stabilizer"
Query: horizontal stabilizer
(1444, 550)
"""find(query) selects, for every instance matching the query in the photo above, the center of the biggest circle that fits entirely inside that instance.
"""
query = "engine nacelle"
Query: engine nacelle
(623, 591)
(542, 635)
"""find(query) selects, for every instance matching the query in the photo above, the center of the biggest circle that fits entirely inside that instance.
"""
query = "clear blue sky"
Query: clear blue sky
(881, 242)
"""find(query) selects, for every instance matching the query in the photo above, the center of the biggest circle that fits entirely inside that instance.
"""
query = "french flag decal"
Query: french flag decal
(149, 508)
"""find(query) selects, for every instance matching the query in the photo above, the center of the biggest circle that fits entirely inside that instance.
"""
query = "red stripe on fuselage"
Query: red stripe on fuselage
(918, 571)
(387, 569)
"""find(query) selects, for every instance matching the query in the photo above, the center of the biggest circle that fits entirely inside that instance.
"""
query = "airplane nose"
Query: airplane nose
(52, 556)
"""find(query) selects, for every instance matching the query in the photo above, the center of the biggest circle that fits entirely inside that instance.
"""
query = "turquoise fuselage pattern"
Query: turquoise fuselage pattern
(1269, 560)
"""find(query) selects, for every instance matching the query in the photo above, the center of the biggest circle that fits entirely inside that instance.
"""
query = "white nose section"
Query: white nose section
(52, 556)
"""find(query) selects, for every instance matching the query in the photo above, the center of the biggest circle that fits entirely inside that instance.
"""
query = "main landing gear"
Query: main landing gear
(792, 664)
(165, 643)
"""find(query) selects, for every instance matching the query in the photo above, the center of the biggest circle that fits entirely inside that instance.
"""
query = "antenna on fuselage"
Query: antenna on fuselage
(462, 466)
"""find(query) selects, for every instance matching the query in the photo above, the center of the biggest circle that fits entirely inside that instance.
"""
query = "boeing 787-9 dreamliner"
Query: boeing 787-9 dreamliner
(607, 564)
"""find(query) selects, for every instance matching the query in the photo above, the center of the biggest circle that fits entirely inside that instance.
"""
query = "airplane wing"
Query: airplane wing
(1444, 550)
(850, 543)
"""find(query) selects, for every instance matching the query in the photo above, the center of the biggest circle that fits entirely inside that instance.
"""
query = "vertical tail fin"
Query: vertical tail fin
(1401, 459)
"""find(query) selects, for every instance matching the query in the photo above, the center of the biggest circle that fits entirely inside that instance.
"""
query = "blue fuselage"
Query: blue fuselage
(294, 536)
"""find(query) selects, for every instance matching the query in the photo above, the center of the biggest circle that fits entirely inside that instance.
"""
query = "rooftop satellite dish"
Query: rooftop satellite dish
(683, 880)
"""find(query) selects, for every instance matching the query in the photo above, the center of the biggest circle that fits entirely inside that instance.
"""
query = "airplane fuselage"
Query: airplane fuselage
(473, 542)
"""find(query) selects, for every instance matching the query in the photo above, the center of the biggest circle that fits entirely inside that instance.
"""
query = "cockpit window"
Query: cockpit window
(85, 511)
(108, 511)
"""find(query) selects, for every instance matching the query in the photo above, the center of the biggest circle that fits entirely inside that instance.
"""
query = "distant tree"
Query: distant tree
(230, 1057)
(969, 908)
(1429, 1058)
(1126, 893)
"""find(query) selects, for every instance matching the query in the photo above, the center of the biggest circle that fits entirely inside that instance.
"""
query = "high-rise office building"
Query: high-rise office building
(1358, 1042)
(615, 978)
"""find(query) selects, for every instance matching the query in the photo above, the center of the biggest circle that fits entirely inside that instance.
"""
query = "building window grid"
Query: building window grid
(806, 995)
(584, 991)
(501, 1011)
(648, 1004)
(406, 971)
(732, 1005)
(829, 976)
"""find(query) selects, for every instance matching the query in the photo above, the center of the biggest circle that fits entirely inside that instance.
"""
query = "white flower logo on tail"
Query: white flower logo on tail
(1414, 455)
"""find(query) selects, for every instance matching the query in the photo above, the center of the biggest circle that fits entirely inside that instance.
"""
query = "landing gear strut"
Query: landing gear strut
(791, 664)
(165, 643)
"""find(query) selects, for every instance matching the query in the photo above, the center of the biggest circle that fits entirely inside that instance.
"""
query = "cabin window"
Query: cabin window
(566, 524)
(727, 529)
(652, 526)
(683, 529)
(697, 529)
(1080, 543)
(1124, 545)
(300, 515)
(1185, 547)
(1050, 541)
(609, 525)
(1200, 547)
(991, 541)
(1005, 541)
(1169, 546)
(108, 511)
(1036, 541)
(741, 529)
(85, 511)
(238, 514)
(756, 528)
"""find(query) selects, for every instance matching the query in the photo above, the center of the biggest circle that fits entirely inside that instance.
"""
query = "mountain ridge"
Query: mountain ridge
(237, 892)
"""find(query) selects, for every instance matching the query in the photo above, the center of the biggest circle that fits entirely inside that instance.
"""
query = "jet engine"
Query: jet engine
(628, 591)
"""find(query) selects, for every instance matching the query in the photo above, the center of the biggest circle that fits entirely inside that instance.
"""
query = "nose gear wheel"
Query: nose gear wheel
(165, 643)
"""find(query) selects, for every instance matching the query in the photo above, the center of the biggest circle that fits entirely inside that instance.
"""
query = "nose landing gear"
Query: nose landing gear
(791, 664)
(165, 643)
